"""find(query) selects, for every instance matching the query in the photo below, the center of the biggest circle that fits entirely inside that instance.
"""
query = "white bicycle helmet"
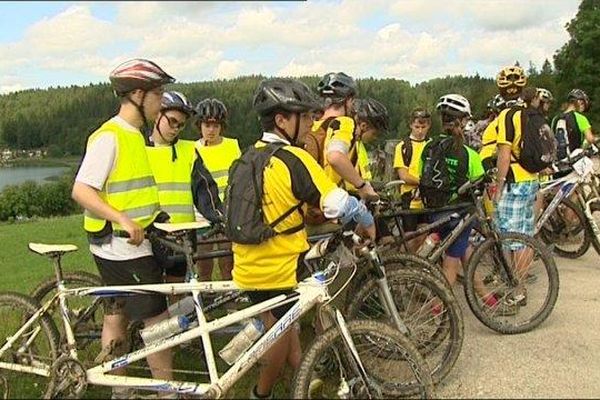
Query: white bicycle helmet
(455, 105)
(545, 94)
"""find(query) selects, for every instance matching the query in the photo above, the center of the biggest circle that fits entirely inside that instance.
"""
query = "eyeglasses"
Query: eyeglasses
(174, 123)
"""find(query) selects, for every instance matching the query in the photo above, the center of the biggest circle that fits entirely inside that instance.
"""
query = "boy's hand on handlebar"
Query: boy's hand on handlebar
(366, 232)
(367, 192)
(135, 231)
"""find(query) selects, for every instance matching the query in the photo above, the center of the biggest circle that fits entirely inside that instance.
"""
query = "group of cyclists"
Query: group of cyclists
(136, 171)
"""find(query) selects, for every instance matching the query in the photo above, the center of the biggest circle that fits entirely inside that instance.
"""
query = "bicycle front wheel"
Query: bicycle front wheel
(511, 306)
(566, 230)
(392, 363)
(37, 347)
(425, 304)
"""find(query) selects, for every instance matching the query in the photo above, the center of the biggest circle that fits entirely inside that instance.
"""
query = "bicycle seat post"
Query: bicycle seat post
(57, 266)
(188, 246)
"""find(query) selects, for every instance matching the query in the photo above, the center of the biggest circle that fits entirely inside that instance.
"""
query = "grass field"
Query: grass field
(22, 270)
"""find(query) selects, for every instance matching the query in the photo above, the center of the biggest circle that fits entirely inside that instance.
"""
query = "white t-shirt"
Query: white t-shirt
(97, 164)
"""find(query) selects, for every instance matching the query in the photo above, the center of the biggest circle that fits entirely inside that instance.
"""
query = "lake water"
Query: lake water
(16, 175)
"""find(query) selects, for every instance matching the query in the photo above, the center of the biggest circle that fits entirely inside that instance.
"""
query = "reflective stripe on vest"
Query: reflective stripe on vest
(130, 186)
(218, 159)
(174, 179)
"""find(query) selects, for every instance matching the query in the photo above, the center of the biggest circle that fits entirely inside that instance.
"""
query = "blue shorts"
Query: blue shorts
(459, 247)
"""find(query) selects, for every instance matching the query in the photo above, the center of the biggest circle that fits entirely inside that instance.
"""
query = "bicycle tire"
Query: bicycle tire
(490, 317)
(547, 236)
(17, 382)
(82, 327)
(438, 338)
(413, 261)
(595, 207)
(419, 381)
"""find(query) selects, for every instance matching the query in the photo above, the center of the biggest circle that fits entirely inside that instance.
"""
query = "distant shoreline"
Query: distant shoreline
(72, 161)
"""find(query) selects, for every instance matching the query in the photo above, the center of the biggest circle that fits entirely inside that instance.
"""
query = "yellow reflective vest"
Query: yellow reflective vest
(174, 179)
(218, 159)
(130, 186)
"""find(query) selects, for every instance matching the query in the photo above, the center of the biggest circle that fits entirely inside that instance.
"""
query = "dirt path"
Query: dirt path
(560, 359)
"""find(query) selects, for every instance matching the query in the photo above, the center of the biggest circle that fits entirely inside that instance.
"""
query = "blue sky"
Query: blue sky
(46, 44)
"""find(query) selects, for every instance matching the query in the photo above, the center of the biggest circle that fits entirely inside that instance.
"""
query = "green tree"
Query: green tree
(577, 61)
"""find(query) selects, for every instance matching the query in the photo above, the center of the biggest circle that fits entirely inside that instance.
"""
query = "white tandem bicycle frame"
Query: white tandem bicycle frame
(309, 292)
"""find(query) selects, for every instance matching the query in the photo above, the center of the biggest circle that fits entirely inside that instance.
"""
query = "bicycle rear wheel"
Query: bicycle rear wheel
(500, 305)
(85, 312)
(38, 347)
(566, 230)
(428, 308)
(393, 365)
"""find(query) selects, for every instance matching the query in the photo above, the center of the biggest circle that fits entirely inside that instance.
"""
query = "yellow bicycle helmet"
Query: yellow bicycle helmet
(511, 76)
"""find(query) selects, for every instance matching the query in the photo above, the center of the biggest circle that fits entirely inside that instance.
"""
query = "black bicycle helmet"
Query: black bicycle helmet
(138, 74)
(337, 86)
(211, 109)
(284, 94)
(578, 94)
(373, 112)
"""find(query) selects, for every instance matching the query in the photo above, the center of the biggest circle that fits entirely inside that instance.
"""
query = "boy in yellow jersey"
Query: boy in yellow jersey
(516, 188)
(407, 163)
(342, 143)
(116, 188)
(183, 181)
(291, 176)
(218, 153)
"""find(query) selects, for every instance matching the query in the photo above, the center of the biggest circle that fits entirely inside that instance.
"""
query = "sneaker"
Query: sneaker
(519, 299)
(503, 309)
(506, 309)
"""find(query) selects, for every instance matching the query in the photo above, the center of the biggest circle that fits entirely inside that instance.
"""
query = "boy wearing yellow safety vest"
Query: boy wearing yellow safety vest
(183, 181)
(218, 153)
(116, 187)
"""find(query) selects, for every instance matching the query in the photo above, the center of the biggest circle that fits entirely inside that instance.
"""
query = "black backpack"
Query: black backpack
(244, 218)
(538, 145)
(436, 185)
(566, 131)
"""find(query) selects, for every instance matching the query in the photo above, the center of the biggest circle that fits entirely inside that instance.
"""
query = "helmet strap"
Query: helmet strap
(160, 133)
(140, 108)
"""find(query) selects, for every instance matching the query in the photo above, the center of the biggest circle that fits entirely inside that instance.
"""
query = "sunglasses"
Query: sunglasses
(174, 123)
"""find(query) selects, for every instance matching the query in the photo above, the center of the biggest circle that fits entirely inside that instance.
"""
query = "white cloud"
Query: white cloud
(407, 39)
(75, 29)
(10, 83)
(227, 69)
(489, 15)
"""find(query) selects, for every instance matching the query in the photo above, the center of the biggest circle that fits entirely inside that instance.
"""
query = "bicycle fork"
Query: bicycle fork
(344, 389)
(590, 217)
(385, 293)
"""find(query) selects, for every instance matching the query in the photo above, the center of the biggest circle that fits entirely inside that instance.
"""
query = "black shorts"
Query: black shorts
(410, 222)
(259, 296)
(138, 271)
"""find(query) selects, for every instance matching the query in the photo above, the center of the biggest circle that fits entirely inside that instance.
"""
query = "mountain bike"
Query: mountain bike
(502, 268)
(563, 221)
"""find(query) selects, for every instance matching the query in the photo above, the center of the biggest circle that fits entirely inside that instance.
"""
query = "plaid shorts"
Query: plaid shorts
(515, 210)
